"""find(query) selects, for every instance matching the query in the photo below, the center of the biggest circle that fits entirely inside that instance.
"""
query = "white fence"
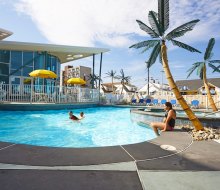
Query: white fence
(46, 94)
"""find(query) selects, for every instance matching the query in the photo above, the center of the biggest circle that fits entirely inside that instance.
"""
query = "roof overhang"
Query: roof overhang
(63, 52)
(4, 33)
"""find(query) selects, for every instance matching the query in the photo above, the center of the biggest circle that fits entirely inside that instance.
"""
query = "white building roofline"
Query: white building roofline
(63, 52)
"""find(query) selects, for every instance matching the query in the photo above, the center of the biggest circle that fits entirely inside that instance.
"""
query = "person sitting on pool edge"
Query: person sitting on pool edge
(168, 122)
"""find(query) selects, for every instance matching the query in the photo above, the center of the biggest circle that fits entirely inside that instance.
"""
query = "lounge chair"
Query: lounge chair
(195, 104)
(173, 102)
(133, 101)
(141, 101)
(155, 102)
(148, 102)
(162, 102)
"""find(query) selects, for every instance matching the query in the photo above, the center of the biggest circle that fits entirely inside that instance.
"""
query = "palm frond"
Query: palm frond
(154, 23)
(215, 69)
(154, 54)
(200, 70)
(147, 29)
(147, 44)
(181, 30)
(163, 14)
(184, 46)
(110, 73)
(148, 64)
(193, 68)
(209, 48)
(214, 61)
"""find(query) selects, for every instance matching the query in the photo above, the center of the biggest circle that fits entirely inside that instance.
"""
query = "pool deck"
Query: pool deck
(193, 165)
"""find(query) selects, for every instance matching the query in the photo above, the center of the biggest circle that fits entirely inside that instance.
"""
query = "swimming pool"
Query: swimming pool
(102, 126)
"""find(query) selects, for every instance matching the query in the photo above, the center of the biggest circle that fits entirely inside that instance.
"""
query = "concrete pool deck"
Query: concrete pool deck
(193, 165)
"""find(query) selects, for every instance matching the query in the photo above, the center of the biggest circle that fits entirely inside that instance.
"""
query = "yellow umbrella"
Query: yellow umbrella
(76, 81)
(43, 74)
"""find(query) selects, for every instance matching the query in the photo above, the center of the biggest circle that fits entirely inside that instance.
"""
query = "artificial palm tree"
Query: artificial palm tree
(148, 65)
(201, 70)
(159, 24)
(111, 74)
(93, 80)
(124, 79)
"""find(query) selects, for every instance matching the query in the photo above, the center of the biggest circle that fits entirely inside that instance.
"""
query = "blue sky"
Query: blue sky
(111, 24)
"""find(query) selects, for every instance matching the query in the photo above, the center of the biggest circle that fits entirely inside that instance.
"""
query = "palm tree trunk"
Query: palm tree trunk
(122, 88)
(195, 121)
(211, 101)
(112, 86)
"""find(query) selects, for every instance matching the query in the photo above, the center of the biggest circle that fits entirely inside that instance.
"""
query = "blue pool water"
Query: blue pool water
(102, 126)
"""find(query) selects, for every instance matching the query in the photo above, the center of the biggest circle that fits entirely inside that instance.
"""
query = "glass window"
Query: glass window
(27, 70)
(4, 56)
(54, 64)
(38, 61)
(4, 79)
(48, 61)
(4, 69)
(28, 59)
(15, 72)
(16, 59)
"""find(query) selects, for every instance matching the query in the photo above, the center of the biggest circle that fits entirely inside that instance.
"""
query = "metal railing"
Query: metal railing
(46, 94)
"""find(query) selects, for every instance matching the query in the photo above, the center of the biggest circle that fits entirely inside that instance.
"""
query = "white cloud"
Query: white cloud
(85, 22)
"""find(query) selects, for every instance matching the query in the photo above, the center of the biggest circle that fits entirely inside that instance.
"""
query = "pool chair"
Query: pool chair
(155, 102)
(173, 102)
(148, 102)
(133, 101)
(195, 104)
(162, 102)
(141, 101)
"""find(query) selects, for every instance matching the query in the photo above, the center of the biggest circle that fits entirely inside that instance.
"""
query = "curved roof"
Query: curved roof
(63, 52)
(4, 33)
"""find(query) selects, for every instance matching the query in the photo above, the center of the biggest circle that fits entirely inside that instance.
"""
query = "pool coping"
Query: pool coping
(21, 154)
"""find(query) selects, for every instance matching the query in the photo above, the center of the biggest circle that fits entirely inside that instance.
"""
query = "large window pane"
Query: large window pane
(4, 69)
(27, 70)
(48, 61)
(54, 64)
(16, 59)
(28, 59)
(38, 61)
(4, 56)
(15, 72)
(4, 79)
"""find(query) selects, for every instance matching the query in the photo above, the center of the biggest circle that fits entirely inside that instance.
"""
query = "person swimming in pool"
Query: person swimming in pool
(73, 117)
(168, 122)
(81, 115)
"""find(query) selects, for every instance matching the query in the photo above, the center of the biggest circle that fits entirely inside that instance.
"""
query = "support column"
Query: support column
(100, 72)
(93, 70)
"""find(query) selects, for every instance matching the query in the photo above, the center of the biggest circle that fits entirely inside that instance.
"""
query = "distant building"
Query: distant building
(76, 72)
(155, 89)
(196, 86)
(126, 89)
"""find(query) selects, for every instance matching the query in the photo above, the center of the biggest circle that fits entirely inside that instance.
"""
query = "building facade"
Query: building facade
(76, 72)
(15, 66)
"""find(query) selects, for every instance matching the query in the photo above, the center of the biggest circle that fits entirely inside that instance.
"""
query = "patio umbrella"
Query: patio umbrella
(76, 81)
(43, 74)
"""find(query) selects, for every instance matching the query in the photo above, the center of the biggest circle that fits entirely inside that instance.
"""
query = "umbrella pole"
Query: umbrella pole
(31, 89)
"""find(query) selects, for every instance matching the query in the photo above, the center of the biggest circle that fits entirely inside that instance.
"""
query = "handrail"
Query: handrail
(212, 113)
